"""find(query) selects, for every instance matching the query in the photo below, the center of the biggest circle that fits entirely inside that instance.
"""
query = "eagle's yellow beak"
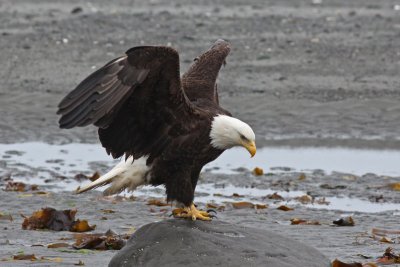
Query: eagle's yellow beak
(251, 147)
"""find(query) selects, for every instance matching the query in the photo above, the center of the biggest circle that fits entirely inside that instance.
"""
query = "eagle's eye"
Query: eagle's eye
(243, 137)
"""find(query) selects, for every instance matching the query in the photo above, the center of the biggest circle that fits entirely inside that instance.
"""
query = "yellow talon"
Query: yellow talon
(191, 212)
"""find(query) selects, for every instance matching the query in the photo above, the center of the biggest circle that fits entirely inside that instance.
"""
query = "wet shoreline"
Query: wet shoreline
(78, 157)
(313, 195)
(321, 74)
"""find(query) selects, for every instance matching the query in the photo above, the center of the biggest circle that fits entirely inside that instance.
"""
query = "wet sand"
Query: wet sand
(345, 243)
(301, 74)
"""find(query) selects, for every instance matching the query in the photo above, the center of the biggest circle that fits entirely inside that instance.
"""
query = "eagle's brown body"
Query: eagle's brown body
(143, 108)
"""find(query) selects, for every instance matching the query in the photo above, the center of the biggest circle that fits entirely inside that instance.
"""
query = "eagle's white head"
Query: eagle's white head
(227, 132)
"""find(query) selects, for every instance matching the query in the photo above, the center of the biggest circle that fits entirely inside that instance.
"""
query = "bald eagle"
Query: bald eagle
(167, 127)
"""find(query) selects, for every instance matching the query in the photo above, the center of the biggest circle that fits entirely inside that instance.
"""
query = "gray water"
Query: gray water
(46, 160)
(76, 157)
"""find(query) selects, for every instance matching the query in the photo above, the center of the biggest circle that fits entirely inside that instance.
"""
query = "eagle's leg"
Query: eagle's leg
(191, 212)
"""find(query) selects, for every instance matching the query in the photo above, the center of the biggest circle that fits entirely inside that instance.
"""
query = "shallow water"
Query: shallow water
(46, 161)
(206, 193)
(61, 158)
(355, 161)
(76, 157)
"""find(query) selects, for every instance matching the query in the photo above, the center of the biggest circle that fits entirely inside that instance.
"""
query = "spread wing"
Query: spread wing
(136, 100)
(200, 80)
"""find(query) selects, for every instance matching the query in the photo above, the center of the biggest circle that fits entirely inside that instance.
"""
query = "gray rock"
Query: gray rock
(216, 243)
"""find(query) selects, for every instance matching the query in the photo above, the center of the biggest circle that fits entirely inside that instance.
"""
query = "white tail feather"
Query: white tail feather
(125, 175)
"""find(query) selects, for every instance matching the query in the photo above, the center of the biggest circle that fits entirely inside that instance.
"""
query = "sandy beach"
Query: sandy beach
(303, 74)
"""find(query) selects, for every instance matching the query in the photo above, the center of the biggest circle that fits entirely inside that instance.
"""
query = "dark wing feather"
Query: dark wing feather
(136, 101)
(200, 80)
(99, 94)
